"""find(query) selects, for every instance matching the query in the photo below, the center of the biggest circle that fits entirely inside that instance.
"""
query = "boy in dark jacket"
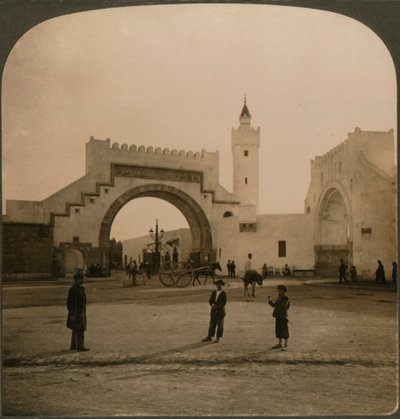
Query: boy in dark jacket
(217, 302)
(281, 306)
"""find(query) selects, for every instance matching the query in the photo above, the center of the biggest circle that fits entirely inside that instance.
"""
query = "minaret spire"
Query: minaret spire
(245, 117)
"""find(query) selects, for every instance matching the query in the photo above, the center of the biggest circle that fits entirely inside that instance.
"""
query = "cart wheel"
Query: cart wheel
(167, 278)
(184, 279)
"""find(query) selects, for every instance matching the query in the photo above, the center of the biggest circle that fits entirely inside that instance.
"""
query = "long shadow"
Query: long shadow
(8, 362)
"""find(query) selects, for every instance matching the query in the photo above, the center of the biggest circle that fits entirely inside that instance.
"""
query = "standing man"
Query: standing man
(233, 269)
(342, 271)
(217, 302)
(380, 274)
(76, 305)
(229, 268)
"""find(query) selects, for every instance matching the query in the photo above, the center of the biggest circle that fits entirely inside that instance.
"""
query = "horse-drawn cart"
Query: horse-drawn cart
(181, 275)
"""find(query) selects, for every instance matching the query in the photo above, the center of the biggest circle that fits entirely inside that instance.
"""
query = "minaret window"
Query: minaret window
(245, 180)
(246, 153)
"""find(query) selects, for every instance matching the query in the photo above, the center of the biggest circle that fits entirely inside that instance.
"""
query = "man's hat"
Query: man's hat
(219, 281)
(282, 287)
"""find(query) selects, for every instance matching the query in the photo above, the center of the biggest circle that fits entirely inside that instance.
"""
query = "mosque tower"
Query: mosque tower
(245, 147)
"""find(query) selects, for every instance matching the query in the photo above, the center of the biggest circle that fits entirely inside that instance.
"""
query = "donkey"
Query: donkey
(251, 278)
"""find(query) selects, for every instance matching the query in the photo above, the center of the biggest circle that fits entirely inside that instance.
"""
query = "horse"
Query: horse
(251, 278)
(206, 271)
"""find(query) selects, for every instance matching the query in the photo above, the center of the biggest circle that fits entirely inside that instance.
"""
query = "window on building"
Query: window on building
(246, 153)
(366, 230)
(245, 180)
(77, 210)
(106, 190)
(75, 239)
(92, 200)
(282, 248)
(247, 227)
(228, 214)
(308, 210)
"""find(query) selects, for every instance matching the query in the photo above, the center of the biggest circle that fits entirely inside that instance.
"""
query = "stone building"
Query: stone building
(342, 216)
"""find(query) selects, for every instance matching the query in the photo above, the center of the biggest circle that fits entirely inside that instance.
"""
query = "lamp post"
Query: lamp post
(157, 236)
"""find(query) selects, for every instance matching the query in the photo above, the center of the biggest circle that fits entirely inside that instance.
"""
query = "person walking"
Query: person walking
(281, 306)
(76, 320)
(342, 271)
(394, 275)
(217, 302)
(380, 277)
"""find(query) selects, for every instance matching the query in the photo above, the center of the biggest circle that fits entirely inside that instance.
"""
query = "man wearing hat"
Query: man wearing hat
(281, 306)
(76, 305)
(217, 302)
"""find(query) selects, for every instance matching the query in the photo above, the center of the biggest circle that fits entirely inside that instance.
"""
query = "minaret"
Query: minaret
(245, 145)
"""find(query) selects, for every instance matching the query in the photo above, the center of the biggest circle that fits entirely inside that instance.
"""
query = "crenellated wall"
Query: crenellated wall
(101, 153)
(355, 178)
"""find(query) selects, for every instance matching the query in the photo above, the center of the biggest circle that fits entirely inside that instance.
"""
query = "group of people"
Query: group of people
(218, 300)
(231, 268)
(76, 304)
(380, 276)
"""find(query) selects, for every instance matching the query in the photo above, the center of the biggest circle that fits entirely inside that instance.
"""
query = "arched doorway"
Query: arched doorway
(74, 259)
(333, 233)
(199, 225)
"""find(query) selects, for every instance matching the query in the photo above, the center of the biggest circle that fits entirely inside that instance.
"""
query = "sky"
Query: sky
(175, 76)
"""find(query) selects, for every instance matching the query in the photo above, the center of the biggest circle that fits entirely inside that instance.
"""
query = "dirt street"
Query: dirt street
(147, 357)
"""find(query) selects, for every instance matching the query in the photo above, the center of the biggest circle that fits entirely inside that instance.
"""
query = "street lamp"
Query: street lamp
(157, 236)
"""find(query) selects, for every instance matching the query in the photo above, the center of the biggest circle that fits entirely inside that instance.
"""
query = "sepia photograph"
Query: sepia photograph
(199, 212)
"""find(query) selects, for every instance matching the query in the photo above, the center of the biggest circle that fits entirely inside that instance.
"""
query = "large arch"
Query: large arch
(199, 225)
(333, 230)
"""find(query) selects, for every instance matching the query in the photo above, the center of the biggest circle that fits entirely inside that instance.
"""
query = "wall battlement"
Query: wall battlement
(358, 134)
(134, 149)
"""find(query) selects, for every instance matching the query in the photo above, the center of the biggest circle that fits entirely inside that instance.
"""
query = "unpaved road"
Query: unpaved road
(146, 357)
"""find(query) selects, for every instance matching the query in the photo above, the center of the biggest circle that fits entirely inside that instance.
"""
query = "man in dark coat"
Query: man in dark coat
(380, 274)
(229, 269)
(217, 302)
(76, 320)
(233, 269)
(342, 271)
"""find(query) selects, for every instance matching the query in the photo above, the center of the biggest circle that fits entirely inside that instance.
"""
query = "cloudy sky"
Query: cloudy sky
(174, 76)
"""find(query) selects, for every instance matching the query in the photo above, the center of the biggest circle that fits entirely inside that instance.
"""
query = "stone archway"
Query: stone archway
(333, 234)
(199, 225)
